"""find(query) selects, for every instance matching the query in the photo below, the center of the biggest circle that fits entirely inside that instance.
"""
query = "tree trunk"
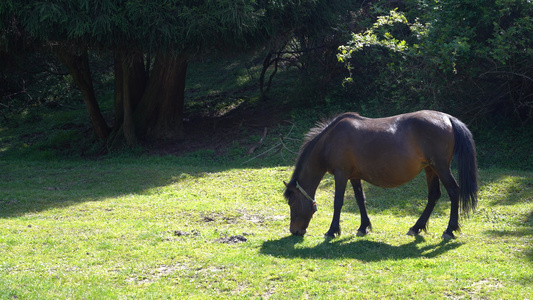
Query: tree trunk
(130, 84)
(119, 91)
(77, 62)
(128, 125)
(159, 114)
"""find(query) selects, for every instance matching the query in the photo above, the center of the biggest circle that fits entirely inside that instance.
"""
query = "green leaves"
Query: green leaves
(449, 49)
(146, 25)
(378, 35)
(168, 25)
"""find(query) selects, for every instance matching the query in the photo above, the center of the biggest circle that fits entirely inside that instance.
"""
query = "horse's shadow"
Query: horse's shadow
(360, 249)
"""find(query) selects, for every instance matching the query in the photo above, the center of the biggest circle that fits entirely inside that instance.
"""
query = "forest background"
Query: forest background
(153, 72)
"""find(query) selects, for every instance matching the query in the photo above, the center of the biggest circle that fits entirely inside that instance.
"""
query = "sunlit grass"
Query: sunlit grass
(152, 228)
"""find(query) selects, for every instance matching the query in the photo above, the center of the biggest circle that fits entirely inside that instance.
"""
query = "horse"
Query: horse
(385, 152)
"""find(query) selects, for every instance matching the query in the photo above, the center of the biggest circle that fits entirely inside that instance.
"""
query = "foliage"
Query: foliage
(149, 94)
(33, 78)
(210, 95)
(307, 42)
(466, 57)
(152, 26)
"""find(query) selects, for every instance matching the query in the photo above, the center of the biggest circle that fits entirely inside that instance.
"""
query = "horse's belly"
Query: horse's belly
(386, 183)
(390, 177)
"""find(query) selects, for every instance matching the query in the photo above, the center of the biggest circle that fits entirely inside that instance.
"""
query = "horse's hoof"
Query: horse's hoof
(448, 236)
(331, 234)
(411, 232)
(360, 233)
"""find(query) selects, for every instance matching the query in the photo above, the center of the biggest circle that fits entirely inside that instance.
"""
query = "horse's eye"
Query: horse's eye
(289, 195)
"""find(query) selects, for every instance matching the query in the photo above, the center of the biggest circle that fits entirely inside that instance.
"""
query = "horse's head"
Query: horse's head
(302, 207)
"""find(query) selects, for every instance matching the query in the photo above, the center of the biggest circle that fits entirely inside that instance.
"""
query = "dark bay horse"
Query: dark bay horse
(386, 152)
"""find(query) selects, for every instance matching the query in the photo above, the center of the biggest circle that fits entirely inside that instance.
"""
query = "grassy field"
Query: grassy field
(76, 224)
(168, 227)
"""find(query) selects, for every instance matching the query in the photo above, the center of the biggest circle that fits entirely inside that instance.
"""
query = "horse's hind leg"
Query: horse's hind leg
(434, 194)
(360, 197)
(453, 191)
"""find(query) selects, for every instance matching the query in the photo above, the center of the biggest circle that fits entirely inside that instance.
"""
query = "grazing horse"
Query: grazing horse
(386, 152)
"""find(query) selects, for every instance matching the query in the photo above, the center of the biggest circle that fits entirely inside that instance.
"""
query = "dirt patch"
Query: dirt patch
(156, 274)
(186, 233)
(234, 239)
(224, 219)
(208, 219)
(254, 219)
(219, 217)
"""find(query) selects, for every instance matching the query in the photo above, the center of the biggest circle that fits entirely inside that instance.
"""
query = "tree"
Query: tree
(149, 96)
(151, 42)
(468, 57)
(308, 39)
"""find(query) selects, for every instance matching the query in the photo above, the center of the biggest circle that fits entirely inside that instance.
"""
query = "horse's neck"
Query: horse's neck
(312, 173)
(310, 180)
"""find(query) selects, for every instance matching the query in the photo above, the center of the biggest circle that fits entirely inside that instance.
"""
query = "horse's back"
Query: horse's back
(389, 151)
(432, 133)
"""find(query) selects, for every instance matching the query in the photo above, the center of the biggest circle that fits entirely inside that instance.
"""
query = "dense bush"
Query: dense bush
(473, 58)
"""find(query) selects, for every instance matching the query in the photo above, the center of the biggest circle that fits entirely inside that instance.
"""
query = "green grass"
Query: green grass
(107, 229)
(132, 226)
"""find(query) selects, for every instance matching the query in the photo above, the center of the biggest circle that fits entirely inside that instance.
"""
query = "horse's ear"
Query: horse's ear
(286, 185)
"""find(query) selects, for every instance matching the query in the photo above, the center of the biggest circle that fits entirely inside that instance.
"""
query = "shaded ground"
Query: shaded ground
(219, 132)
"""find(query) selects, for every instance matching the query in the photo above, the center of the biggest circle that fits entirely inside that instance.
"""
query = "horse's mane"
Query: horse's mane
(312, 137)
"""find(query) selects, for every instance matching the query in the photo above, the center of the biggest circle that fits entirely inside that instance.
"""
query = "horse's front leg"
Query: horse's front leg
(340, 188)
(360, 197)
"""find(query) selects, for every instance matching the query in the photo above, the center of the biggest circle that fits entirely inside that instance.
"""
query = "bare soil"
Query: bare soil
(219, 132)
(234, 239)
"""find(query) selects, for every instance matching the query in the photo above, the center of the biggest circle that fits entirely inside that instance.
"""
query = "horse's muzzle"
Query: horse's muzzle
(300, 232)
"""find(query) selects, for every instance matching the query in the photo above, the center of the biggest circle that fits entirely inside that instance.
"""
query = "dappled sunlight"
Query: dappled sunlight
(508, 189)
(506, 204)
(506, 210)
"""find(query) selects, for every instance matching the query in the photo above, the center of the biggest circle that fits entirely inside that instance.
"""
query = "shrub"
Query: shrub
(471, 58)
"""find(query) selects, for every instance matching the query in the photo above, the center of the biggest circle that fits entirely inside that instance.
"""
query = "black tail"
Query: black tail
(465, 154)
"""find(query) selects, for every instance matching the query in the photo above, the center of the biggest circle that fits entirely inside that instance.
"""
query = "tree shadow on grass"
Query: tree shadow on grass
(524, 231)
(360, 249)
(32, 187)
(513, 189)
